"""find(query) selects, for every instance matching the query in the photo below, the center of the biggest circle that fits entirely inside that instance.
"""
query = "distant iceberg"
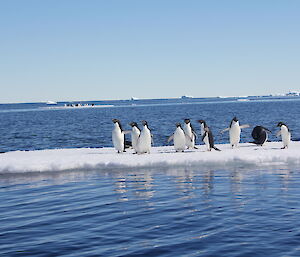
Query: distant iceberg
(243, 100)
(293, 93)
(51, 102)
(186, 97)
(247, 155)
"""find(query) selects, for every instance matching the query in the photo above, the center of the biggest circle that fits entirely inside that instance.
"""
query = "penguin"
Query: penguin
(260, 135)
(179, 138)
(145, 139)
(118, 136)
(135, 133)
(202, 126)
(207, 136)
(190, 134)
(285, 134)
(235, 131)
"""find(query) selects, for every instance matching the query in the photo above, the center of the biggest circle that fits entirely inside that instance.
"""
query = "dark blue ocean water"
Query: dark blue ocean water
(156, 212)
(35, 126)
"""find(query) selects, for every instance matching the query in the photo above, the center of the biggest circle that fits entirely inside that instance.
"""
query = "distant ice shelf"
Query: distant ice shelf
(246, 155)
(51, 102)
(78, 106)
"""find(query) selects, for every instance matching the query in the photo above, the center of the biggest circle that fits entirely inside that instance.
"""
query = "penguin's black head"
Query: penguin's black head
(201, 121)
(145, 123)
(133, 124)
(187, 121)
(280, 124)
(116, 121)
(235, 119)
(178, 124)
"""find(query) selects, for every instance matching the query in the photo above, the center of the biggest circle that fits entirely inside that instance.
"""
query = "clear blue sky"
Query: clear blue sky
(93, 50)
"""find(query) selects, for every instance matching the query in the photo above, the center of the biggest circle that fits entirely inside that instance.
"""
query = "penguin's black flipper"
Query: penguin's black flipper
(267, 130)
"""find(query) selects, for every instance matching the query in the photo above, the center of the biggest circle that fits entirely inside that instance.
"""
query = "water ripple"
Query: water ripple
(197, 213)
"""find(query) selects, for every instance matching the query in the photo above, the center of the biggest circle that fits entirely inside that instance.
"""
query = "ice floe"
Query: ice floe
(246, 155)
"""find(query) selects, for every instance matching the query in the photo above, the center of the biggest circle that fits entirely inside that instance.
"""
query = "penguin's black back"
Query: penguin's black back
(259, 135)
(210, 139)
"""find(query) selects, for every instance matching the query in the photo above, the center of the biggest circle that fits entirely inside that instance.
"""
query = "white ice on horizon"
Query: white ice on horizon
(246, 155)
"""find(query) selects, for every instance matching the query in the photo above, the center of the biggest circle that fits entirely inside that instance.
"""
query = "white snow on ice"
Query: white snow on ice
(246, 155)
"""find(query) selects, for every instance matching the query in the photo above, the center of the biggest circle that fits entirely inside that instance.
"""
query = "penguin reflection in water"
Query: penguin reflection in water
(179, 138)
(285, 134)
(260, 135)
(235, 131)
(118, 136)
(207, 136)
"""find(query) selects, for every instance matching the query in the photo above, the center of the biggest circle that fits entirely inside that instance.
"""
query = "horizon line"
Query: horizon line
(137, 98)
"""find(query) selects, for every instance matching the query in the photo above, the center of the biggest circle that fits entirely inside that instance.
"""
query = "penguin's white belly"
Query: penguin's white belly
(285, 136)
(134, 138)
(118, 140)
(202, 130)
(179, 140)
(234, 135)
(144, 142)
(265, 139)
(206, 141)
(188, 136)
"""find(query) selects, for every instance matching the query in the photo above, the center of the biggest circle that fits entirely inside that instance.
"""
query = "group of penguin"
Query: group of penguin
(185, 137)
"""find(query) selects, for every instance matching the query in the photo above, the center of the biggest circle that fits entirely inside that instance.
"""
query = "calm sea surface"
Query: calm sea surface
(156, 212)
